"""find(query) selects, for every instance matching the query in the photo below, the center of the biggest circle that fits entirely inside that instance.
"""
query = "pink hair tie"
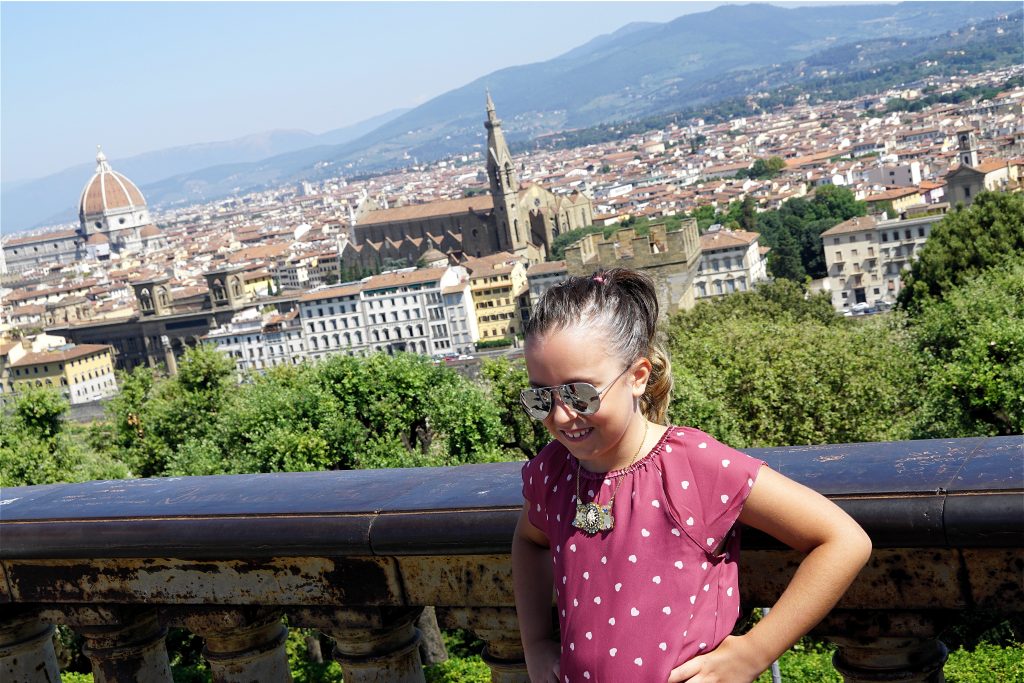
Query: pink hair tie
(599, 279)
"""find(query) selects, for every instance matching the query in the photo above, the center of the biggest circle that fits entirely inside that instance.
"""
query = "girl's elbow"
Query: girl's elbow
(860, 546)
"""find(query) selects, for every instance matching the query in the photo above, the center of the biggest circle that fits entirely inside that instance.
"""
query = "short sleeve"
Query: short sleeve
(537, 475)
(707, 483)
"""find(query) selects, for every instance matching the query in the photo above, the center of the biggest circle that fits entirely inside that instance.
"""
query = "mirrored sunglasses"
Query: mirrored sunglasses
(582, 398)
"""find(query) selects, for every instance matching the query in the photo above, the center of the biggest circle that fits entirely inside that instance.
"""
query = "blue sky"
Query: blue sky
(136, 77)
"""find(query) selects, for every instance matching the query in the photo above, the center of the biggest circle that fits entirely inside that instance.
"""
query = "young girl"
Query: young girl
(633, 522)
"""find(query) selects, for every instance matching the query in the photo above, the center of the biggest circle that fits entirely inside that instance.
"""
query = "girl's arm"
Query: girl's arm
(532, 582)
(836, 549)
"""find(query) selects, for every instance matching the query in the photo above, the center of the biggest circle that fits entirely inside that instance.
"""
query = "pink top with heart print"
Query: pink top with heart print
(662, 586)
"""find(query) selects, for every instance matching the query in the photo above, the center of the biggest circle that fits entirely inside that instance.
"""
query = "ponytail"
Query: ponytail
(654, 402)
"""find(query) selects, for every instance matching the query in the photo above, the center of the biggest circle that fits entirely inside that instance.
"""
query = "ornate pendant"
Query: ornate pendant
(591, 518)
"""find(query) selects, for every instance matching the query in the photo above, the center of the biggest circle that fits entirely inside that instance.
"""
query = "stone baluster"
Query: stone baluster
(498, 627)
(886, 646)
(243, 644)
(26, 650)
(373, 645)
(130, 650)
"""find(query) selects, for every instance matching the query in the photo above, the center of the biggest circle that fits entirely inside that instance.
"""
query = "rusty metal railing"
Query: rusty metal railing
(359, 554)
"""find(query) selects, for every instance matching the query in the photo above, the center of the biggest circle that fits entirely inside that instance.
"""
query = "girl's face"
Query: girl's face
(574, 355)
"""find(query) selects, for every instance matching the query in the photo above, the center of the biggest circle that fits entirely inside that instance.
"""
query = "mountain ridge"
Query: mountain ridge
(638, 70)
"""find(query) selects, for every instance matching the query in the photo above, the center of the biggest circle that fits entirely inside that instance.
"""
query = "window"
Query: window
(920, 231)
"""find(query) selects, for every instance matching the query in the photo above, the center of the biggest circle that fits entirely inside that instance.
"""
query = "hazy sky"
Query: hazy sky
(137, 77)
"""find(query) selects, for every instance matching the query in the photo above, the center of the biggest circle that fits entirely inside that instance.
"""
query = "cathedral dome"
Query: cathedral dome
(97, 238)
(108, 191)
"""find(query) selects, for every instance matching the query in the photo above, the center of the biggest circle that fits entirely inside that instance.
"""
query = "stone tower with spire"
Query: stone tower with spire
(501, 172)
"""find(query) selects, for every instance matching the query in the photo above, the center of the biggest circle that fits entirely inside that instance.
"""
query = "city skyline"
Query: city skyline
(154, 76)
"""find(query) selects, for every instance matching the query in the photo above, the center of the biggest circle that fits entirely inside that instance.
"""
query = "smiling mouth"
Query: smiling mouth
(577, 435)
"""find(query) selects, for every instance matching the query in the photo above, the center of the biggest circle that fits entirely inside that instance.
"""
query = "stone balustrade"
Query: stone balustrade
(359, 554)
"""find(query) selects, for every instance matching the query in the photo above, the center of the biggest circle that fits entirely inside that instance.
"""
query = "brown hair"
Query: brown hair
(624, 304)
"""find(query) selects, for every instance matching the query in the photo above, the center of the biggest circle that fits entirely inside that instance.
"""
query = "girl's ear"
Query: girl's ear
(640, 376)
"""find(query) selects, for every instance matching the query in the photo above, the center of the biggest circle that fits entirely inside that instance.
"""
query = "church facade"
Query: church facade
(521, 218)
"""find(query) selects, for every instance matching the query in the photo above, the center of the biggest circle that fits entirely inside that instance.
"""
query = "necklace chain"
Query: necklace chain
(592, 517)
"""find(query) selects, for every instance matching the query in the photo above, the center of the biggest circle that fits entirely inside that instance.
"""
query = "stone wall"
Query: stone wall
(669, 258)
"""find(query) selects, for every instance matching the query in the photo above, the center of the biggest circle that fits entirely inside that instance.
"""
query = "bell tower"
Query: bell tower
(504, 182)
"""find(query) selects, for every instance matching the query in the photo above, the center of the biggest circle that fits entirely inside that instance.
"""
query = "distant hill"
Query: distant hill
(638, 71)
(27, 203)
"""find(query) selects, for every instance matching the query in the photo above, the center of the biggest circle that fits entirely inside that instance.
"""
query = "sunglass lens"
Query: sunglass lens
(536, 402)
(581, 397)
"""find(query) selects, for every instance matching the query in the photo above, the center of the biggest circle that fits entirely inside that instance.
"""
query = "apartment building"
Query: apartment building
(865, 257)
(730, 261)
(257, 341)
(334, 321)
(83, 372)
(500, 292)
(543, 276)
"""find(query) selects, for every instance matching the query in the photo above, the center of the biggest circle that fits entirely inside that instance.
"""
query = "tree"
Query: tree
(972, 344)
(965, 242)
(771, 368)
(837, 204)
(748, 214)
(37, 446)
(506, 379)
(41, 411)
(784, 259)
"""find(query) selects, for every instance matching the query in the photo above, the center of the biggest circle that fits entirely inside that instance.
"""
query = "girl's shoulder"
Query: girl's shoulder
(692, 450)
(552, 458)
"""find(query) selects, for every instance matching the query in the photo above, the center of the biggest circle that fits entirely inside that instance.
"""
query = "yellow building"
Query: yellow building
(499, 289)
(82, 373)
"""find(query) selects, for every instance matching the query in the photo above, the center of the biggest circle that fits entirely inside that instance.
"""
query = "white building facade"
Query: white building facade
(865, 257)
(730, 261)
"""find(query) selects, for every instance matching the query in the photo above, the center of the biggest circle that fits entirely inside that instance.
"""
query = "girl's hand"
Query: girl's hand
(730, 662)
(542, 662)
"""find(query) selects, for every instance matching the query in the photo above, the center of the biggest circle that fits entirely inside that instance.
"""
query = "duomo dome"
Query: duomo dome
(111, 205)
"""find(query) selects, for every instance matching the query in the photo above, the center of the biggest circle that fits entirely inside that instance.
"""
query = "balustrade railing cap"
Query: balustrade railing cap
(898, 491)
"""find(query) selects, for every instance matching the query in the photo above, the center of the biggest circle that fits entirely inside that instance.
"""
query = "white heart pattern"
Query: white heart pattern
(725, 463)
(693, 599)
(632, 558)
(679, 564)
(663, 646)
(645, 533)
(618, 586)
(573, 547)
(611, 622)
(711, 541)
(702, 445)
(689, 522)
(604, 559)
(666, 609)
(613, 651)
(586, 575)
(590, 636)
(634, 612)
(656, 579)
(597, 599)
(655, 503)
(686, 485)
(675, 532)
(725, 499)
(638, 661)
